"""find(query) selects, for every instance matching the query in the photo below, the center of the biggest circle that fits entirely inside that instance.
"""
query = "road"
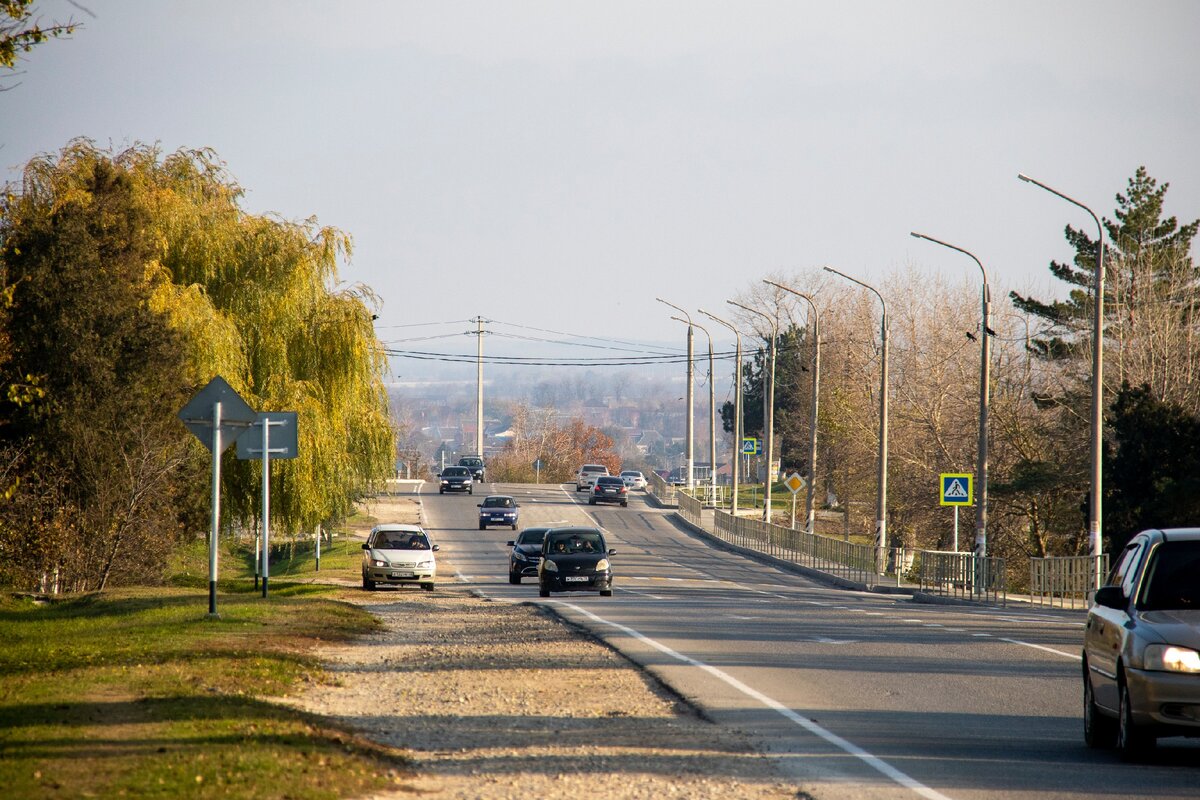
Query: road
(856, 694)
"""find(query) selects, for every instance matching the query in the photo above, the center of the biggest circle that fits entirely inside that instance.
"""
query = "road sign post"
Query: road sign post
(213, 416)
(794, 483)
(282, 444)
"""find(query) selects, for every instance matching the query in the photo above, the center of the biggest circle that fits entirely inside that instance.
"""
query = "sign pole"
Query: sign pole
(318, 569)
(956, 529)
(216, 510)
(266, 503)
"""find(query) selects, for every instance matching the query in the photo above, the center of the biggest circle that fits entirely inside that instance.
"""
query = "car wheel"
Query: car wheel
(482, 527)
(368, 584)
(427, 587)
(470, 490)
(1131, 741)
(1098, 730)
(591, 501)
(606, 592)
(514, 577)
(543, 591)
(441, 491)
(514, 526)
(624, 504)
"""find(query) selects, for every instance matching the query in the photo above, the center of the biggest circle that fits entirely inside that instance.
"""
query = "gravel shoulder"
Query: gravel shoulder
(493, 700)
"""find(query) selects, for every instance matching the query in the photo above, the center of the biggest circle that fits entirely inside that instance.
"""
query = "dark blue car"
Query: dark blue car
(498, 509)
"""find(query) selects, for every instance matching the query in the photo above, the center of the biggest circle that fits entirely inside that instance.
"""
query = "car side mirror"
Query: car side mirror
(437, 547)
(1110, 597)
(612, 552)
(510, 544)
(516, 505)
(479, 505)
(366, 546)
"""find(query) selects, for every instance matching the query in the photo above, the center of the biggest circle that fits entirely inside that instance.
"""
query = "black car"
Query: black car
(476, 465)
(609, 490)
(456, 479)
(525, 554)
(575, 560)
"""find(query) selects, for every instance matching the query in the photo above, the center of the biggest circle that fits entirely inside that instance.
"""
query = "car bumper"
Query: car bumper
(455, 487)
(400, 575)
(577, 583)
(523, 568)
(1166, 700)
(497, 520)
(610, 498)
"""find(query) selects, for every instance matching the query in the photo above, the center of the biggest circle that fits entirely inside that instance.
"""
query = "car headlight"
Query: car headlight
(519, 556)
(445, 483)
(425, 565)
(1171, 658)
(602, 565)
(375, 562)
(549, 566)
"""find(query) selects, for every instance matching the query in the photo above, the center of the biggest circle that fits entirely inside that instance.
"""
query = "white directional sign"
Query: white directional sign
(957, 489)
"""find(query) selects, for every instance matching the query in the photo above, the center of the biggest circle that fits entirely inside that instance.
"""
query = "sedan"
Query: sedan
(1141, 645)
(575, 560)
(398, 554)
(609, 490)
(456, 479)
(525, 554)
(633, 479)
(498, 509)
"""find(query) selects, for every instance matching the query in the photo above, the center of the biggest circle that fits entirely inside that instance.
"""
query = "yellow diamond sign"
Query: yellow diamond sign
(794, 482)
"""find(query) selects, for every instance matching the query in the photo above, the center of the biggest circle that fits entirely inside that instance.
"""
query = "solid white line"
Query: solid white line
(1075, 656)
(873, 761)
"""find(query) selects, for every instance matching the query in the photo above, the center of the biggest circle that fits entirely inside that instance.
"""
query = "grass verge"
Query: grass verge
(139, 693)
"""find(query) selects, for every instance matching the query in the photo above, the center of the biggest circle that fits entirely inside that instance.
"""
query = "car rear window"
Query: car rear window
(1172, 579)
(604, 481)
(594, 468)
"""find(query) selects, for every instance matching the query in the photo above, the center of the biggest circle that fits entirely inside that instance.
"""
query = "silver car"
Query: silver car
(398, 554)
(1141, 648)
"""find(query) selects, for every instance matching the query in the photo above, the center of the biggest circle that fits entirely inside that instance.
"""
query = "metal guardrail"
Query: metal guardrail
(962, 575)
(690, 508)
(1065, 582)
(853, 562)
(656, 486)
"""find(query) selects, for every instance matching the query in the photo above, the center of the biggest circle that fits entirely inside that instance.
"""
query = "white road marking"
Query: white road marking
(848, 747)
(1074, 656)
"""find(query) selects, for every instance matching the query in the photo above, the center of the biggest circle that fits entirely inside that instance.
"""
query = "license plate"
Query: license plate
(576, 579)
(402, 574)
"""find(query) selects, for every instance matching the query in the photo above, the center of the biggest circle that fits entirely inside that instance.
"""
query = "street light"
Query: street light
(712, 416)
(769, 406)
(984, 393)
(691, 394)
(736, 451)
(809, 506)
(881, 540)
(1097, 379)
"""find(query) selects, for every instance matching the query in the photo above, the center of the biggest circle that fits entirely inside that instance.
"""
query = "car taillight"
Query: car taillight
(623, 489)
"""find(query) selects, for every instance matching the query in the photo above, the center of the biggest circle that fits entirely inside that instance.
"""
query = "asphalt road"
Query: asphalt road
(858, 695)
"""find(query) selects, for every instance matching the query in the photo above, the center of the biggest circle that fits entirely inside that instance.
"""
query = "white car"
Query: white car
(633, 479)
(399, 554)
(585, 479)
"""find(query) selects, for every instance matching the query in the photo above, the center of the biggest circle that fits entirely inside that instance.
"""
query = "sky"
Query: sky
(558, 165)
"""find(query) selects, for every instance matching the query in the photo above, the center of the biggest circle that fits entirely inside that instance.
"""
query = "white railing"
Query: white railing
(656, 486)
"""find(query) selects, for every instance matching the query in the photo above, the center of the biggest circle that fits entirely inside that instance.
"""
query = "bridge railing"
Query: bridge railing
(1066, 582)
(963, 575)
(690, 508)
(656, 486)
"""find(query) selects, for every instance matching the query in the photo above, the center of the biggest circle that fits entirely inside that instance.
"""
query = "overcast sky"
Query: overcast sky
(559, 164)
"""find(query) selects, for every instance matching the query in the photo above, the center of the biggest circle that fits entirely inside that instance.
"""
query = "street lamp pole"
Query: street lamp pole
(1094, 520)
(769, 402)
(735, 452)
(712, 417)
(881, 540)
(810, 507)
(985, 336)
(691, 395)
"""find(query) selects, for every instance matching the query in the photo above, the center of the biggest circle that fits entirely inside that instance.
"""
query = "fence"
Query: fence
(962, 575)
(690, 508)
(853, 562)
(656, 486)
(1062, 580)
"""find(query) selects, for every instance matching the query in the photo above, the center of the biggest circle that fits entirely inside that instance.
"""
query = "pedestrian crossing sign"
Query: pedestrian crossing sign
(957, 489)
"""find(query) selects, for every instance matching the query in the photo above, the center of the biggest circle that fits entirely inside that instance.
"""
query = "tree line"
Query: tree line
(1039, 460)
(127, 281)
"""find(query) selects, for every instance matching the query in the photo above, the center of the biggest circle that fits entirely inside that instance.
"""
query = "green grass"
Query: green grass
(140, 693)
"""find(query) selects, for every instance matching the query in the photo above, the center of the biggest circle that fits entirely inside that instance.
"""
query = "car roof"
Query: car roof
(574, 529)
(457, 467)
(498, 497)
(1176, 534)
(397, 526)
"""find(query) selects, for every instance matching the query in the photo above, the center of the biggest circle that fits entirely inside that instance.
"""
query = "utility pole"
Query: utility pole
(691, 396)
(478, 333)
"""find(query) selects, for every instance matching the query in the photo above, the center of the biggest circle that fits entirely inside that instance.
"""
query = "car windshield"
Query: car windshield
(498, 502)
(531, 536)
(579, 542)
(399, 540)
(472, 462)
(451, 472)
(1173, 578)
